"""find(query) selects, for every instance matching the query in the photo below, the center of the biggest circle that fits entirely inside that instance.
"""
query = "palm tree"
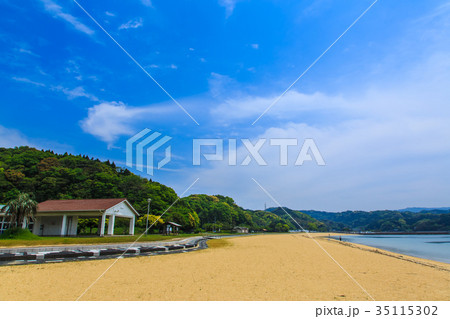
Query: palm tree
(21, 210)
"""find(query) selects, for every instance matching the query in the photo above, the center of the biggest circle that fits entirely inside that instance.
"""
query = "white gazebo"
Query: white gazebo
(60, 217)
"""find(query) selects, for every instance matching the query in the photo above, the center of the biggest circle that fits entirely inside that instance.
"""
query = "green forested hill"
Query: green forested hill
(384, 221)
(53, 176)
(304, 220)
(221, 212)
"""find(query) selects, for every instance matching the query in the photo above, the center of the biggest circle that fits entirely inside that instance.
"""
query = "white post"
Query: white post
(24, 223)
(148, 212)
(102, 225)
(111, 223)
(131, 232)
(64, 225)
(74, 226)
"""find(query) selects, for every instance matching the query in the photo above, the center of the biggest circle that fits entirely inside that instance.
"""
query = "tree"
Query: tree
(154, 222)
(20, 210)
(84, 223)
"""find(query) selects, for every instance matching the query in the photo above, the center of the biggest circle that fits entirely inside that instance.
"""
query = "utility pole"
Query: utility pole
(148, 212)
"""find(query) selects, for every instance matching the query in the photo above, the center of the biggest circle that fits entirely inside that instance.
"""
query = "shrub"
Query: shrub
(18, 233)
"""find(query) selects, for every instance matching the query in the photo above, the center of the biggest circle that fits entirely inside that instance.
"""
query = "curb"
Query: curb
(77, 254)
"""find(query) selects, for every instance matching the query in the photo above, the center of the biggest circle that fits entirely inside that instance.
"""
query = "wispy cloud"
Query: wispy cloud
(76, 93)
(255, 46)
(110, 14)
(57, 12)
(26, 80)
(12, 138)
(132, 24)
(229, 6)
(385, 147)
(439, 11)
(29, 52)
(70, 93)
(147, 3)
(221, 85)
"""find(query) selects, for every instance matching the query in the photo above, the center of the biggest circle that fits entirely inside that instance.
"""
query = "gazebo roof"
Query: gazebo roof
(174, 224)
(71, 205)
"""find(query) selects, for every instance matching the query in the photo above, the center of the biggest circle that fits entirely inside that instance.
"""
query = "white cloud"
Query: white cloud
(147, 3)
(173, 66)
(29, 52)
(57, 12)
(220, 85)
(246, 108)
(12, 138)
(442, 10)
(70, 93)
(255, 46)
(229, 6)
(385, 147)
(110, 14)
(75, 93)
(26, 80)
(109, 120)
(132, 24)
(370, 165)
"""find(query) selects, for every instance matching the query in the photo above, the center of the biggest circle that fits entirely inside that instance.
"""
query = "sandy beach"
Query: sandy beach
(263, 267)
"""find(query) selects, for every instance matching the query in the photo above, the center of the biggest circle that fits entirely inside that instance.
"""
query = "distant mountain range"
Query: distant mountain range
(421, 219)
(424, 209)
(433, 210)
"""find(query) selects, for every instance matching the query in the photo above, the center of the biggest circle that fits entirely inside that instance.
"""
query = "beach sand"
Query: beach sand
(262, 267)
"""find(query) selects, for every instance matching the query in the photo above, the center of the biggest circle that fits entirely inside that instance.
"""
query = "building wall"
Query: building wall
(52, 226)
(120, 210)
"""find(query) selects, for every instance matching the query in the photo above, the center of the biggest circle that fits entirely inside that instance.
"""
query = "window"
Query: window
(4, 224)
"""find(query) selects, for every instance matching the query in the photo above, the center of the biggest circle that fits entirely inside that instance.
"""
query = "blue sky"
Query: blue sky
(376, 104)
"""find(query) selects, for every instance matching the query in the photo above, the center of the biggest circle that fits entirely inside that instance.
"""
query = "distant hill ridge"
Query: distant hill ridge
(423, 209)
(437, 210)
(431, 219)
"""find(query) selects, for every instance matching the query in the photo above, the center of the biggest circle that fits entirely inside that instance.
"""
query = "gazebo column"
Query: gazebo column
(64, 225)
(131, 230)
(102, 225)
(111, 223)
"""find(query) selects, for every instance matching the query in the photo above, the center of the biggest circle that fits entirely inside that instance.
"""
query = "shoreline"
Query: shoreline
(417, 260)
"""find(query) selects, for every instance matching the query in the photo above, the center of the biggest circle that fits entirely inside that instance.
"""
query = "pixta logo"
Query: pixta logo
(142, 146)
(307, 152)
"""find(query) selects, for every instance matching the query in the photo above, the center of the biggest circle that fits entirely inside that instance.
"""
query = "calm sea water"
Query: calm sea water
(434, 247)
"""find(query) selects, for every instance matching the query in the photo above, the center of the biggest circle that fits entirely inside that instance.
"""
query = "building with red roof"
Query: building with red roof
(60, 217)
